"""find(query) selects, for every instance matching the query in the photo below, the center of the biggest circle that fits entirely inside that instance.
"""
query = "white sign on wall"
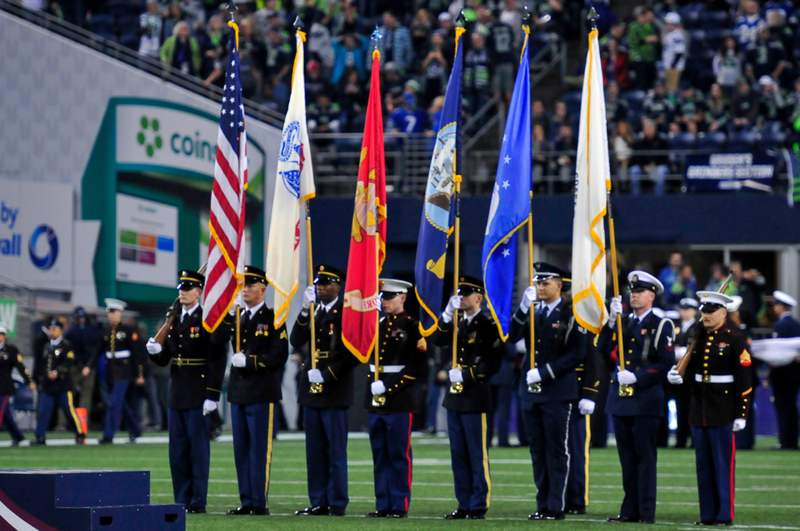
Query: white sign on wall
(147, 241)
(36, 234)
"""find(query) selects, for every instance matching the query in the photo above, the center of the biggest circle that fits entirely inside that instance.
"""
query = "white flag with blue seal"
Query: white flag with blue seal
(294, 186)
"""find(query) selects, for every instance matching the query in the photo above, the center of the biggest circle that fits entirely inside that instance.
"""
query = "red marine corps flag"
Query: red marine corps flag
(368, 233)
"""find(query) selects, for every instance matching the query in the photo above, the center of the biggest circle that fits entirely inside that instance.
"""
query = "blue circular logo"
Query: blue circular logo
(44, 262)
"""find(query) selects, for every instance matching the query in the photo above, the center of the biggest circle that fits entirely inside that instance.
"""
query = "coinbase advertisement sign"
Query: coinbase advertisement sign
(36, 234)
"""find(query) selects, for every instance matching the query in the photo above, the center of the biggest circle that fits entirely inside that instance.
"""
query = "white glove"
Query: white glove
(533, 376)
(153, 347)
(239, 360)
(378, 388)
(674, 377)
(739, 424)
(528, 296)
(209, 406)
(452, 305)
(456, 376)
(586, 406)
(238, 301)
(626, 377)
(315, 376)
(309, 297)
(615, 308)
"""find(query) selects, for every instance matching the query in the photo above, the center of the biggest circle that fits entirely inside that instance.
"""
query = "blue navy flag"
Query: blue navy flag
(510, 204)
(436, 224)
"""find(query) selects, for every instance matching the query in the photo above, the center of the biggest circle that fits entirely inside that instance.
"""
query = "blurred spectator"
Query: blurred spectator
(643, 44)
(540, 146)
(434, 69)
(511, 16)
(561, 115)
(278, 65)
(794, 105)
(54, 8)
(395, 45)
(150, 26)
(618, 33)
(174, 16)
(684, 286)
(539, 116)
(213, 43)
(659, 106)
(435, 114)
(766, 56)
(563, 164)
(477, 79)
(447, 26)
(616, 107)
(407, 117)
(771, 105)
(352, 94)
(315, 82)
(690, 109)
(350, 51)
(718, 275)
(622, 141)
(324, 117)
(614, 60)
(347, 20)
(182, 51)
(500, 42)
(669, 275)
(392, 85)
(251, 57)
(744, 106)
(673, 54)
(718, 112)
(728, 65)
(746, 25)
(320, 44)
(649, 158)
(421, 28)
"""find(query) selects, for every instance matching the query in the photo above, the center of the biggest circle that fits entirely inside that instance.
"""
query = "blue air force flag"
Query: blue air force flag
(510, 204)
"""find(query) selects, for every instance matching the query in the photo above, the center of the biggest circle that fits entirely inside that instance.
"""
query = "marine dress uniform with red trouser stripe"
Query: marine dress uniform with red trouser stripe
(721, 392)
(402, 367)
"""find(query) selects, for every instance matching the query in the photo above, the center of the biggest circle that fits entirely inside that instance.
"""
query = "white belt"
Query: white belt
(388, 368)
(714, 378)
(120, 354)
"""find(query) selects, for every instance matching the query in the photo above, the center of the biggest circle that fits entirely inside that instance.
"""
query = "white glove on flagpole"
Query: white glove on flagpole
(528, 296)
(452, 305)
(586, 406)
(615, 308)
(315, 376)
(238, 301)
(153, 347)
(209, 406)
(309, 297)
(626, 377)
(533, 377)
(378, 388)
(239, 360)
(456, 376)
(674, 377)
(739, 424)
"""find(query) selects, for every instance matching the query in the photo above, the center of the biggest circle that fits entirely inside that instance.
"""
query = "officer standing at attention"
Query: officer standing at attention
(786, 380)
(393, 399)
(649, 353)
(253, 390)
(551, 387)
(325, 394)
(120, 345)
(469, 398)
(683, 338)
(196, 374)
(10, 359)
(718, 375)
(56, 384)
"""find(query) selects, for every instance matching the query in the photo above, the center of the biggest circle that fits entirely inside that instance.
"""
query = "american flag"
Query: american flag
(225, 270)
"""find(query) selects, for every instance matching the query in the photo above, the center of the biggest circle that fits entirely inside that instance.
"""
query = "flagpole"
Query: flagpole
(456, 387)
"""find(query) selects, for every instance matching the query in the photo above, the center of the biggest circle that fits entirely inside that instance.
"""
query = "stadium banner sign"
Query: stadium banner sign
(730, 171)
(36, 234)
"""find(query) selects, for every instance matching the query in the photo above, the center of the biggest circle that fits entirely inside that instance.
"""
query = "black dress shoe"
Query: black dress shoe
(315, 510)
(39, 441)
(259, 511)
(538, 515)
(476, 515)
(193, 509)
(576, 510)
(458, 514)
(80, 439)
(705, 522)
(335, 511)
(378, 514)
(103, 440)
(622, 519)
(240, 511)
(554, 515)
(723, 522)
(647, 520)
(398, 514)
(132, 438)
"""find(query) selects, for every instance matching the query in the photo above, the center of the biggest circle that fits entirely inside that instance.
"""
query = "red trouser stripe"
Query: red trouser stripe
(408, 455)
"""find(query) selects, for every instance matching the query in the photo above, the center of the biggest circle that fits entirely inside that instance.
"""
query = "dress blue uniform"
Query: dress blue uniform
(649, 353)
(786, 380)
(560, 349)
(10, 359)
(325, 413)
(718, 376)
(253, 391)
(480, 352)
(197, 369)
(403, 360)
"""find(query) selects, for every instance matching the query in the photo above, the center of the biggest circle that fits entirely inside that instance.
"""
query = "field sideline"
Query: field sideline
(767, 494)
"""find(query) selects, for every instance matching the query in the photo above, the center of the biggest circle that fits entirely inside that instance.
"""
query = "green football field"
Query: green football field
(767, 494)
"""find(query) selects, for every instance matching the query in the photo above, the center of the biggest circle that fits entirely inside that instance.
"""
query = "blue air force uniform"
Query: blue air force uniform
(403, 360)
(560, 349)
(719, 379)
(479, 355)
(197, 368)
(325, 413)
(10, 359)
(55, 392)
(786, 380)
(649, 353)
(120, 345)
(253, 391)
